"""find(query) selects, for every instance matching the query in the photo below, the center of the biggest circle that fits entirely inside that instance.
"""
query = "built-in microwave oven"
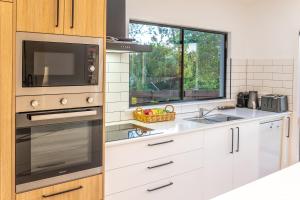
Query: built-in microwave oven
(57, 146)
(56, 64)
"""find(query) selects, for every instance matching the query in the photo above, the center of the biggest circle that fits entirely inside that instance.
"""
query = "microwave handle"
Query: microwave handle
(63, 115)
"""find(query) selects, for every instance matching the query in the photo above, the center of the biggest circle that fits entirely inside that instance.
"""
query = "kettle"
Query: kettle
(253, 100)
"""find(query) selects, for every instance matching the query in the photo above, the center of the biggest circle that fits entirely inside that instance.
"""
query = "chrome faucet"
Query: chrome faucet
(201, 111)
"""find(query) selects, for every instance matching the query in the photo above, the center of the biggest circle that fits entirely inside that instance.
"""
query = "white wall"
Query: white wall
(222, 15)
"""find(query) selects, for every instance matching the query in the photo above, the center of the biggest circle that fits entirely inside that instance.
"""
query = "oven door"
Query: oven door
(48, 64)
(64, 143)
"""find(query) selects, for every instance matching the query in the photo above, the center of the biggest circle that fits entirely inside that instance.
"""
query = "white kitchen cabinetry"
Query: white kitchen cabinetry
(231, 157)
(188, 186)
(286, 135)
(164, 168)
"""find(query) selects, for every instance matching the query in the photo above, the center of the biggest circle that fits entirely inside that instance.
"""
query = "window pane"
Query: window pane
(204, 65)
(155, 76)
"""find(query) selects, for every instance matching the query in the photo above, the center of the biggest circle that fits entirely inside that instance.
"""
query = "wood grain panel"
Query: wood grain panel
(6, 107)
(91, 190)
(88, 18)
(40, 16)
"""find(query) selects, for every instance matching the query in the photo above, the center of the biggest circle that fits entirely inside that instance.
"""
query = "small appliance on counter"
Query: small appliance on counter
(253, 100)
(242, 99)
(274, 103)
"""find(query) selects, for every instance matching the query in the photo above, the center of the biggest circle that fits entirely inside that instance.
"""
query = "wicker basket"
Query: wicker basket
(169, 116)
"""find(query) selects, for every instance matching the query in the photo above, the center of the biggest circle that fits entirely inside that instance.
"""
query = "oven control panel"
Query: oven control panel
(61, 101)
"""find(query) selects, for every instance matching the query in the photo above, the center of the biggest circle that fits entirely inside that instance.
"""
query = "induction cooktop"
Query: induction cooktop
(127, 131)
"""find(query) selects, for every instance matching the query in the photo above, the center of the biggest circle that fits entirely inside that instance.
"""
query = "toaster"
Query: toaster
(274, 103)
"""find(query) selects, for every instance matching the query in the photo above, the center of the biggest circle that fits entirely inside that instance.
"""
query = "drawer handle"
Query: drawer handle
(160, 143)
(63, 192)
(161, 165)
(160, 187)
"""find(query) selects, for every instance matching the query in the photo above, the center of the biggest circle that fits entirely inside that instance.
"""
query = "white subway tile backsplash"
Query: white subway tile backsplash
(287, 84)
(118, 67)
(239, 68)
(113, 97)
(113, 117)
(113, 57)
(239, 62)
(125, 77)
(118, 87)
(263, 62)
(127, 115)
(283, 77)
(254, 68)
(262, 76)
(117, 106)
(125, 58)
(271, 83)
(288, 69)
(273, 69)
(113, 77)
(125, 96)
(283, 62)
(255, 82)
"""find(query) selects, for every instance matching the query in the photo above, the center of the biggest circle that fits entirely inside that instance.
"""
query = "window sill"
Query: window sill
(183, 104)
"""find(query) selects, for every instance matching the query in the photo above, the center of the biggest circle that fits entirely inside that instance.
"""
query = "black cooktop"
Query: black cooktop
(127, 131)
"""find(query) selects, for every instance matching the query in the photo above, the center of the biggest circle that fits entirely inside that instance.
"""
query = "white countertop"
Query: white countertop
(181, 126)
(282, 185)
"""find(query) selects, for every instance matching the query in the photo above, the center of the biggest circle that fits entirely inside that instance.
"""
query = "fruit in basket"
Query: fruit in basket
(148, 112)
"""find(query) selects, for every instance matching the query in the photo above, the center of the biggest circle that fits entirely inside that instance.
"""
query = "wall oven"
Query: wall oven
(57, 146)
(55, 64)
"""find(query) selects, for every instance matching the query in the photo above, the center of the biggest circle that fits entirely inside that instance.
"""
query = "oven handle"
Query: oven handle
(63, 115)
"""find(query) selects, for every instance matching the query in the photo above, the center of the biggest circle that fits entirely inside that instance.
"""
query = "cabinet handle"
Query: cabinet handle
(63, 192)
(72, 14)
(238, 140)
(160, 187)
(161, 165)
(232, 134)
(160, 143)
(57, 13)
(289, 126)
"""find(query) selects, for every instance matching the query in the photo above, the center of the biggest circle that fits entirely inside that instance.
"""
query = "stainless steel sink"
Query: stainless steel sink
(213, 119)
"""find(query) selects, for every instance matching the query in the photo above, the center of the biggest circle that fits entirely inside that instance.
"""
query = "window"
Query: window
(185, 64)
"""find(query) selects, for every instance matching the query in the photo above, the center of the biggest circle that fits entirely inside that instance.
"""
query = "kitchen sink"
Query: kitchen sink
(213, 119)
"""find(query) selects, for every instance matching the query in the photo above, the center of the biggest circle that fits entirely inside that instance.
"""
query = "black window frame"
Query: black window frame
(182, 95)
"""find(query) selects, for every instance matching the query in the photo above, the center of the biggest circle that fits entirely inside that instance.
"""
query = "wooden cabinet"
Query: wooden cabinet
(231, 158)
(83, 189)
(6, 100)
(44, 16)
(70, 17)
(84, 18)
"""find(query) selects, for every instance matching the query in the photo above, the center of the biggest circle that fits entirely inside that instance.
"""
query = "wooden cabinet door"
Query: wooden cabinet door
(83, 189)
(43, 16)
(6, 105)
(246, 154)
(218, 162)
(84, 18)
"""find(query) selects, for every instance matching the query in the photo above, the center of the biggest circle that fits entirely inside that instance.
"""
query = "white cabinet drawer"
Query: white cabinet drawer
(185, 186)
(140, 174)
(137, 152)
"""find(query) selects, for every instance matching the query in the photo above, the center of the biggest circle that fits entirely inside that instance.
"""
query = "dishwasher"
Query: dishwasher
(270, 140)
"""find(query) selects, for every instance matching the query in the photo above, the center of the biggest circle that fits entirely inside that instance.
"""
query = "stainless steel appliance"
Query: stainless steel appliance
(253, 100)
(274, 103)
(56, 64)
(117, 40)
(57, 146)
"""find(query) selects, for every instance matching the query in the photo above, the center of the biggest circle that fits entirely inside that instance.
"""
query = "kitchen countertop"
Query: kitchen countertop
(181, 126)
(282, 185)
